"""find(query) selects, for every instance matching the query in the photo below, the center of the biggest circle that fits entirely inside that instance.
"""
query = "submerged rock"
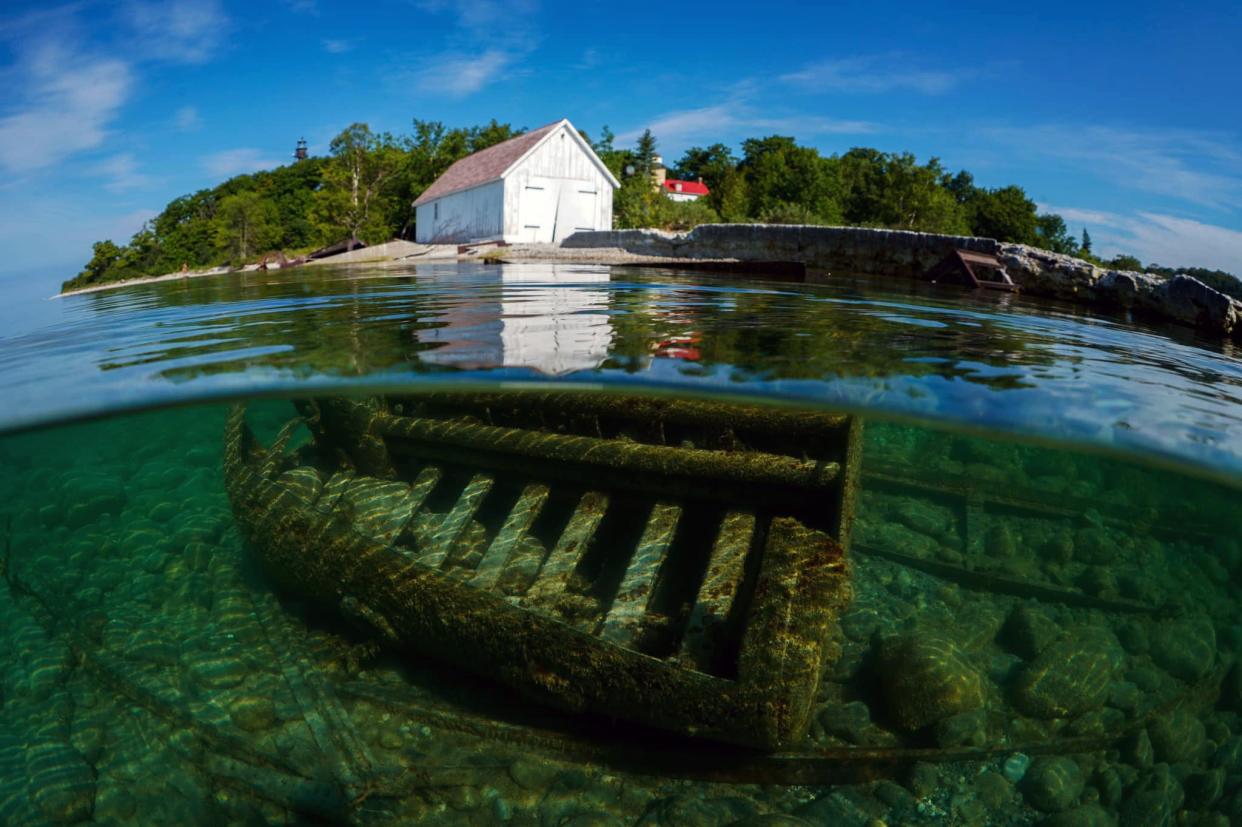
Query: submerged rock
(1053, 784)
(926, 679)
(1072, 676)
(1185, 649)
(1178, 737)
(1028, 631)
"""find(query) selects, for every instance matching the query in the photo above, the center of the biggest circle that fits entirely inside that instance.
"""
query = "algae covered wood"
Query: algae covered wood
(596, 561)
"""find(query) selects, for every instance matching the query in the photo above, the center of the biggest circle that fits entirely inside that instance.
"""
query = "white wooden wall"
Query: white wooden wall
(576, 194)
(469, 215)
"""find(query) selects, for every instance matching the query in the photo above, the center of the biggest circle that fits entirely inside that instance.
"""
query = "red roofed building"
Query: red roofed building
(542, 186)
(684, 190)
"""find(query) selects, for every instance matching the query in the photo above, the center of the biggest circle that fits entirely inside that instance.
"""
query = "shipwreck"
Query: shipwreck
(673, 563)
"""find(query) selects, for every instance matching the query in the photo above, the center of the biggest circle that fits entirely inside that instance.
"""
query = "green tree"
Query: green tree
(1125, 262)
(1052, 234)
(104, 257)
(894, 190)
(1005, 214)
(245, 225)
(645, 154)
(354, 199)
(1086, 242)
(779, 172)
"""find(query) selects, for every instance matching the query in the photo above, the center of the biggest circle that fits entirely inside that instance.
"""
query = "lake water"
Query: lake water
(1037, 620)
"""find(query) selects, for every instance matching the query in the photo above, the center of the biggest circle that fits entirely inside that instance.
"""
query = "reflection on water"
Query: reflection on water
(552, 322)
(1033, 635)
(1020, 365)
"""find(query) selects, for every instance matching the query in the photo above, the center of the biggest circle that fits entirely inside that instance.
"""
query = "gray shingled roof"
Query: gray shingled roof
(483, 166)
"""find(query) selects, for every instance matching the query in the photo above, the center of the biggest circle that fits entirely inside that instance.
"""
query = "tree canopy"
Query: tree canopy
(365, 188)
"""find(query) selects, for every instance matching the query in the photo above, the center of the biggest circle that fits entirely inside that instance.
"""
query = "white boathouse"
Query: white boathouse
(542, 186)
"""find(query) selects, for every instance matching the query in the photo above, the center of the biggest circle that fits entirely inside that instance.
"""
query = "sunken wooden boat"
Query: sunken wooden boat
(674, 563)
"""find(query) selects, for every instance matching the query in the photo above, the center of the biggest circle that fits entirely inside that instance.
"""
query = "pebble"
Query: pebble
(994, 790)
(1137, 750)
(1185, 649)
(1096, 546)
(968, 729)
(531, 774)
(1053, 784)
(1179, 737)
(1015, 767)
(1203, 789)
(1108, 782)
(253, 713)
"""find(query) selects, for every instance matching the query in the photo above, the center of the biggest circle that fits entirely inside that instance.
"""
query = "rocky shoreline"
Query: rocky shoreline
(900, 254)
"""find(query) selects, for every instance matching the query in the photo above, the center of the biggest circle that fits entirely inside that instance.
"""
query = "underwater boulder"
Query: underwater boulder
(1070, 677)
(926, 679)
(1185, 649)
(1178, 738)
(1053, 784)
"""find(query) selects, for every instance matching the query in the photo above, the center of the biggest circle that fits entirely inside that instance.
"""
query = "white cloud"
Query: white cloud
(871, 74)
(1156, 238)
(310, 7)
(474, 14)
(457, 75)
(122, 172)
(70, 103)
(708, 122)
(1202, 168)
(230, 162)
(187, 119)
(182, 31)
(336, 47)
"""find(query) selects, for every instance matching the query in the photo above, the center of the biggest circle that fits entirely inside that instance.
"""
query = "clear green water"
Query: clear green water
(1037, 591)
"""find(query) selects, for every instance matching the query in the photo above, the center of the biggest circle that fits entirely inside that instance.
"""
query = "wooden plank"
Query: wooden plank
(455, 521)
(519, 521)
(567, 553)
(625, 616)
(726, 568)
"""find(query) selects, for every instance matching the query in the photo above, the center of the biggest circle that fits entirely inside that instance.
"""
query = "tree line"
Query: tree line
(365, 188)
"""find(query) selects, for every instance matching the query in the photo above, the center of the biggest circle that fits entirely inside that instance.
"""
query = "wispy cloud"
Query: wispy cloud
(230, 162)
(872, 74)
(310, 7)
(712, 122)
(181, 31)
(460, 74)
(187, 119)
(122, 173)
(1156, 238)
(70, 103)
(475, 14)
(335, 46)
(589, 60)
(1203, 168)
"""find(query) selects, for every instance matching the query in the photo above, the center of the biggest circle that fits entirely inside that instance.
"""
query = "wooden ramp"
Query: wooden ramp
(974, 270)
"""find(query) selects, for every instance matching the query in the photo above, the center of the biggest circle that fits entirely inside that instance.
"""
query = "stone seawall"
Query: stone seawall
(903, 254)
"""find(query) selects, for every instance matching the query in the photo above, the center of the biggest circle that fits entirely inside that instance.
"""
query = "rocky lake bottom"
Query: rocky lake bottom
(1057, 634)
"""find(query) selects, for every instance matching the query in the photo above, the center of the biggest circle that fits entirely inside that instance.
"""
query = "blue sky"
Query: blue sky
(1123, 117)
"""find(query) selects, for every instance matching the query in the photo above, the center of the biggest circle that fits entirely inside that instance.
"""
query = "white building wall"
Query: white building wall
(460, 217)
(577, 194)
